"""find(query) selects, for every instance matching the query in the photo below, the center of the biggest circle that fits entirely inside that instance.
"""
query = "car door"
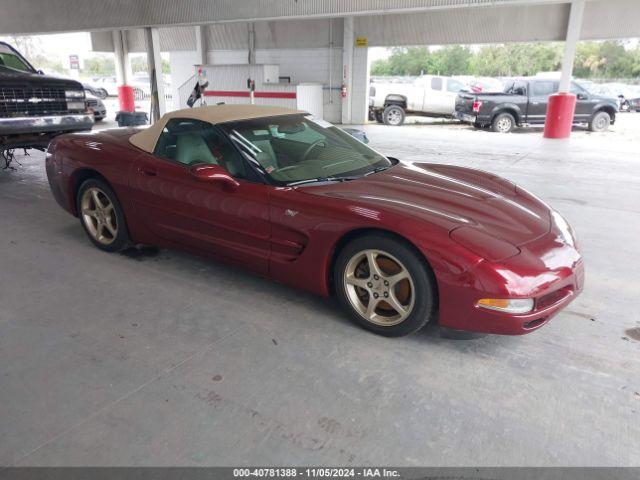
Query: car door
(435, 99)
(452, 89)
(203, 216)
(584, 103)
(539, 92)
(416, 93)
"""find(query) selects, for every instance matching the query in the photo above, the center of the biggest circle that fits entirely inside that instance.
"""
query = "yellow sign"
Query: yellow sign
(362, 42)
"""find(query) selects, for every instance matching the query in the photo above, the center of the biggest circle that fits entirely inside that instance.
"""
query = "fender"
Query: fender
(606, 106)
(508, 107)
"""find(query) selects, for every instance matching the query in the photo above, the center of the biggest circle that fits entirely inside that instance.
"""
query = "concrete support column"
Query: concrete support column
(202, 45)
(347, 68)
(251, 43)
(122, 63)
(360, 86)
(574, 28)
(154, 61)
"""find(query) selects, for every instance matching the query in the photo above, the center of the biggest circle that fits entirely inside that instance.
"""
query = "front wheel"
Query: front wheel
(393, 115)
(101, 216)
(600, 122)
(385, 285)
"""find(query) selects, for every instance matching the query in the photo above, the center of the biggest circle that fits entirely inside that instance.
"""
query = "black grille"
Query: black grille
(92, 103)
(32, 102)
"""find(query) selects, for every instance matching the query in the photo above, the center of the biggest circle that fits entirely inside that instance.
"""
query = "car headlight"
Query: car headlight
(507, 305)
(566, 232)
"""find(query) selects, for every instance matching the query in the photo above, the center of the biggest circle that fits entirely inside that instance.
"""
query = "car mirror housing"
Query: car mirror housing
(214, 173)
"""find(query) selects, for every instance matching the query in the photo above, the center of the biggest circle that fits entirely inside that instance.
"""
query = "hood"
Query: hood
(448, 196)
(14, 78)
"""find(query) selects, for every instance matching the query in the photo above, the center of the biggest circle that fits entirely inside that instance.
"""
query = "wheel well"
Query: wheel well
(396, 100)
(77, 179)
(608, 109)
(506, 110)
(353, 234)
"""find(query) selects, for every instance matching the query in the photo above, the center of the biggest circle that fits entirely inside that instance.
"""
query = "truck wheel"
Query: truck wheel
(393, 115)
(503, 123)
(600, 122)
(378, 116)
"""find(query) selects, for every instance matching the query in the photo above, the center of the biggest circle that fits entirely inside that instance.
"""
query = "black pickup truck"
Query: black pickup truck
(524, 102)
(35, 107)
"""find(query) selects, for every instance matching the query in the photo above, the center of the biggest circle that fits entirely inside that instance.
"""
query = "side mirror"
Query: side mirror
(582, 96)
(214, 173)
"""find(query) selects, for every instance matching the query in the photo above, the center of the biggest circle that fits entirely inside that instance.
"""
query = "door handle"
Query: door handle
(147, 171)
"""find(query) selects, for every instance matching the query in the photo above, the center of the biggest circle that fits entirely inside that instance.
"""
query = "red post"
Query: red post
(560, 112)
(126, 98)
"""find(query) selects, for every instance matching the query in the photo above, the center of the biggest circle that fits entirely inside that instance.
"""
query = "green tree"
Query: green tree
(597, 59)
(99, 66)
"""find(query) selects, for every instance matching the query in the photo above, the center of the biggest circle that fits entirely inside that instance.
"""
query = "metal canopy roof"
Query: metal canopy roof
(385, 22)
(37, 16)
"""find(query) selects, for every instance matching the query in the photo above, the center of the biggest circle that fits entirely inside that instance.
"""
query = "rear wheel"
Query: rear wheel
(378, 116)
(503, 123)
(101, 216)
(385, 285)
(393, 115)
(600, 122)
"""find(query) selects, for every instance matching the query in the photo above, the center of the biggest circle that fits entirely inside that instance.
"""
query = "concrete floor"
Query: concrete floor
(168, 359)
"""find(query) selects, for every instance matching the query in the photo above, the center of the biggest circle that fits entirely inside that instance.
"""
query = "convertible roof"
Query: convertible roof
(147, 139)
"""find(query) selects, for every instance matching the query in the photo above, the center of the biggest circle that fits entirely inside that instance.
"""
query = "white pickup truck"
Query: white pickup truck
(427, 95)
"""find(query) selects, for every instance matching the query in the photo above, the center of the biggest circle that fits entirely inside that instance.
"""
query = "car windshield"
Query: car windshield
(297, 149)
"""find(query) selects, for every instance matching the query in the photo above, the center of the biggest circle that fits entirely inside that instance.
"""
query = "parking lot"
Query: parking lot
(162, 358)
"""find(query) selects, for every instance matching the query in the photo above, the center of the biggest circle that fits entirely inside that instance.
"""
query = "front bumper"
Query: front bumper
(550, 272)
(46, 124)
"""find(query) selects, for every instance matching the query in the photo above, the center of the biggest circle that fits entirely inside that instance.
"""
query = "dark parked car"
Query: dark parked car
(524, 102)
(35, 107)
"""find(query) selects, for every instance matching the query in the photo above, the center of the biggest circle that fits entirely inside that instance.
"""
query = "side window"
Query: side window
(454, 85)
(436, 83)
(192, 142)
(543, 89)
(519, 88)
(576, 89)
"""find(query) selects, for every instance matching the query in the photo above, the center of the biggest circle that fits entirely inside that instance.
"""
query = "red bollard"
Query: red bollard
(560, 112)
(126, 98)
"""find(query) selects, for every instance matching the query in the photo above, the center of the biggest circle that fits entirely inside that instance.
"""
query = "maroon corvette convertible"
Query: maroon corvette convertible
(296, 199)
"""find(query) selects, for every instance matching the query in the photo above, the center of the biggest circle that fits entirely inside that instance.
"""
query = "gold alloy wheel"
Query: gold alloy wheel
(379, 287)
(99, 216)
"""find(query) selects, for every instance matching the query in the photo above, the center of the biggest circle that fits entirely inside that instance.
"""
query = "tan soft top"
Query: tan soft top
(147, 139)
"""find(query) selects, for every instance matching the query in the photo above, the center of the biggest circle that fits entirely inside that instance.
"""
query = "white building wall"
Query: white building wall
(307, 51)
(182, 68)
(303, 65)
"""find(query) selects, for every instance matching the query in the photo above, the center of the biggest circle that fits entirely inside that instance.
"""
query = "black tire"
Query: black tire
(424, 304)
(378, 116)
(393, 115)
(477, 126)
(503, 123)
(600, 122)
(121, 240)
(102, 93)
